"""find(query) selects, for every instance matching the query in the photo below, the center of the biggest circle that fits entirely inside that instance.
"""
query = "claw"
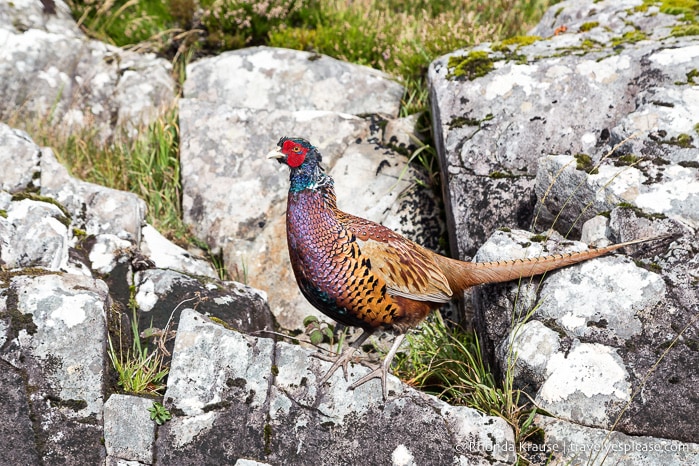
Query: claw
(343, 359)
(381, 371)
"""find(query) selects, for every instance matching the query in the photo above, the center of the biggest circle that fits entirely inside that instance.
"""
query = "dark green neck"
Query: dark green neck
(308, 176)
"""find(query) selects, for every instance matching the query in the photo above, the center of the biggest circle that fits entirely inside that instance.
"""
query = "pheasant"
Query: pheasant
(365, 275)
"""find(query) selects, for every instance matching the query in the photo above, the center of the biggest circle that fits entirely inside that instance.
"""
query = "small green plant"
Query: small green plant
(317, 331)
(585, 163)
(159, 413)
(139, 371)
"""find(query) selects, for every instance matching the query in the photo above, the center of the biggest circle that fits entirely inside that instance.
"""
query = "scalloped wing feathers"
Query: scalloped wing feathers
(408, 269)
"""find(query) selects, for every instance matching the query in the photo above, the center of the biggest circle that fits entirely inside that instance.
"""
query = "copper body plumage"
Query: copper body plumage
(363, 274)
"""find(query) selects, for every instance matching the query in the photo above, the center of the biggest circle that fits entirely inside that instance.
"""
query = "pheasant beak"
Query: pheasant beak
(277, 154)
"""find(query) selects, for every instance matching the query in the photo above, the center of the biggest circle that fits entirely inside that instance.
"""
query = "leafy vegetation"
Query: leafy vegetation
(159, 413)
(139, 371)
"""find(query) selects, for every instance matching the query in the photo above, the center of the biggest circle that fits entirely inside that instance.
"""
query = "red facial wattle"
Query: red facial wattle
(295, 153)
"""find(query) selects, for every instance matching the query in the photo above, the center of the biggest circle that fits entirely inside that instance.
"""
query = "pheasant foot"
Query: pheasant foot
(381, 371)
(343, 359)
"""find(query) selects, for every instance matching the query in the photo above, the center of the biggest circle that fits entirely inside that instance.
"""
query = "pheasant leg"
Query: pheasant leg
(344, 358)
(381, 371)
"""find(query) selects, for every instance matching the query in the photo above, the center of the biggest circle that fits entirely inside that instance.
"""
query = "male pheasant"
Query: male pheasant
(365, 275)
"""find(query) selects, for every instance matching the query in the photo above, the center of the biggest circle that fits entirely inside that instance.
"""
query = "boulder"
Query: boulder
(234, 396)
(54, 333)
(54, 312)
(590, 118)
(555, 129)
(50, 71)
(588, 339)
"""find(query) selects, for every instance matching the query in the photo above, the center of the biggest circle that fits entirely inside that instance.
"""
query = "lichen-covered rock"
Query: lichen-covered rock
(167, 255)
(94, 209)
(50, 70)
(129, 433)
(19, 157)
(588, 339)
(590, 118)
(595, 95)
(235, 396)
(162, 294)
(55, 332)
(46, 225)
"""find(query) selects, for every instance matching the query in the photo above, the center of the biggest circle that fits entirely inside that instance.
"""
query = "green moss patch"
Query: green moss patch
(474, 65)
(584, 163)
(588, 26)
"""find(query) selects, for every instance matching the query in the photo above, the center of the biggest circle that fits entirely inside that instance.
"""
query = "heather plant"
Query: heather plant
(233, 24)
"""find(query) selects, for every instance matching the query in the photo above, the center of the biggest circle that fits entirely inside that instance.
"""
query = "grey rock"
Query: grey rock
(50, 70)
(567, 128)
(567, 443)
(634, 100)
(622, 291)
(672, 191)
(614, 18)
(250, 78)
(94, 209)
(167, 255)
(587, 384)
(594, 232)
(56, 336)
(45, 224)
(129, 433)
(162, 294)
(19, 157)
(530, 346)
(219, 377)
(585, 341)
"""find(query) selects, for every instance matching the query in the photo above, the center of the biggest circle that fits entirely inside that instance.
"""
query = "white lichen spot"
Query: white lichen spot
(401, 456)
(223, 300)
(679, 187)
(670, 56)
(556, 72)
(589, 369)
(604, 71)
(184, 432)
(588, 141)
(520, 76)
(146, 297)
(71, 311)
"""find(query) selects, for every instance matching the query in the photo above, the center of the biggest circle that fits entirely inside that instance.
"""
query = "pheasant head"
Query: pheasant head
(304, 161)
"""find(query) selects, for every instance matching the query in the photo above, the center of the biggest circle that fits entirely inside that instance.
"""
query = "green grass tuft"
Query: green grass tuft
(448, 362)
